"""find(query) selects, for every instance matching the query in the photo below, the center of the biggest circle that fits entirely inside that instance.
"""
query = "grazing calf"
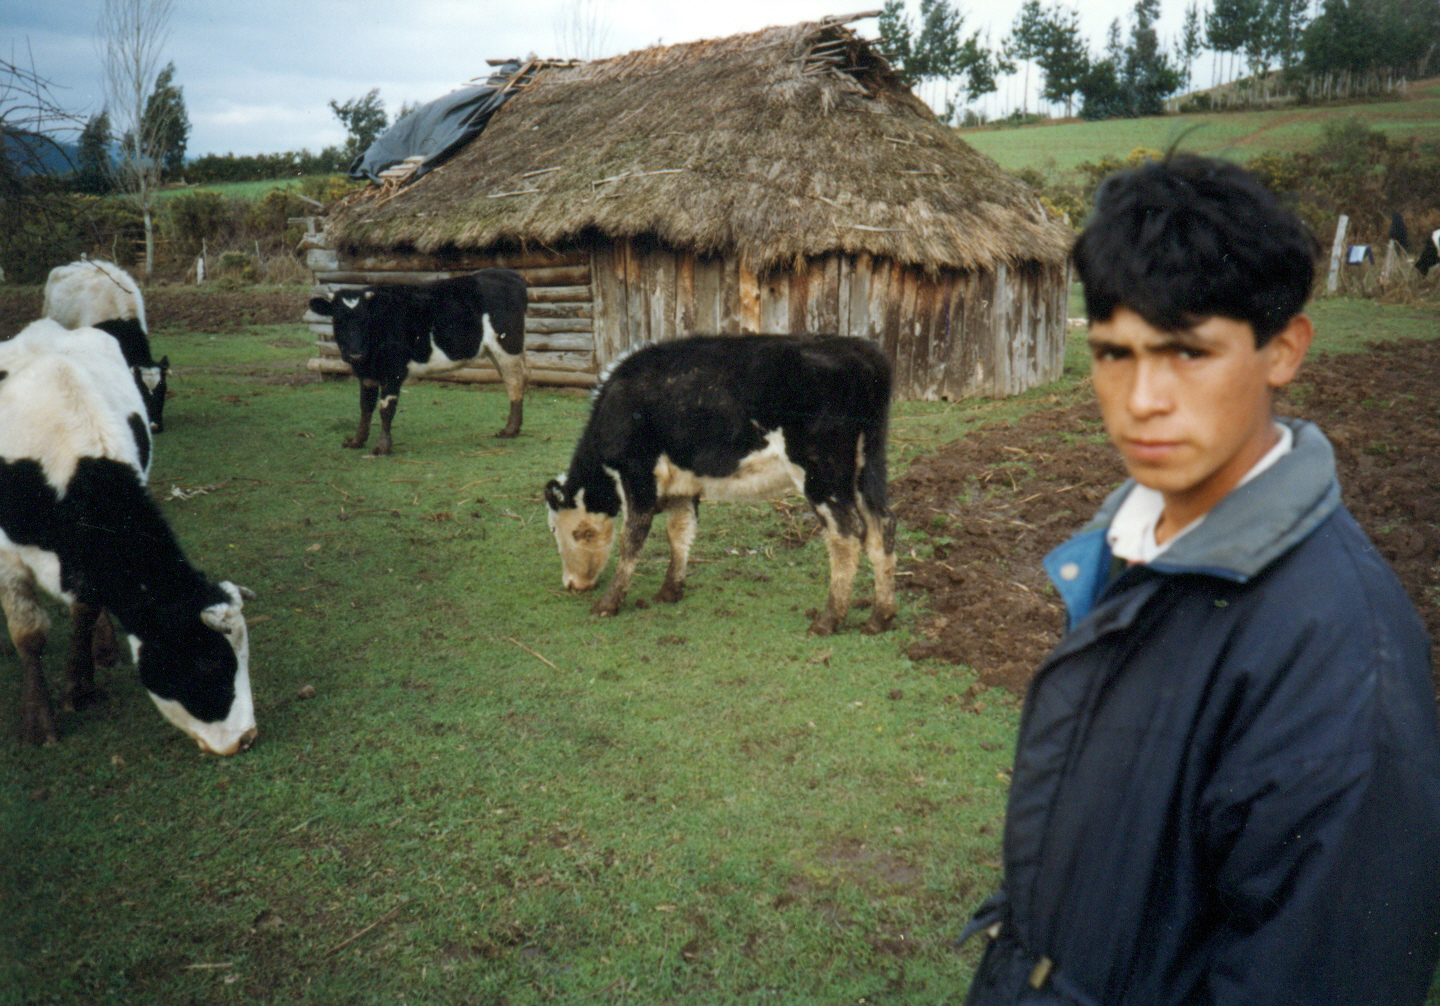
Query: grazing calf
(732, 418)
(104, 296)
(387, 333)
(77, 520)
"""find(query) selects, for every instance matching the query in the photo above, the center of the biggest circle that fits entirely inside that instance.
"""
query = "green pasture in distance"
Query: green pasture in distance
(251, 191)
(1238, 136)
(492, 795)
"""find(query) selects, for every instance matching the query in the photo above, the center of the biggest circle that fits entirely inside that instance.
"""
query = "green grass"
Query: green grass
(494, 797)
(251, 191)
(1238, 136)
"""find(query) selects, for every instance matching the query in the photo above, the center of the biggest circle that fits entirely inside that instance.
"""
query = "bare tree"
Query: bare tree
(39, 218)
(131, 35)
(582, 29)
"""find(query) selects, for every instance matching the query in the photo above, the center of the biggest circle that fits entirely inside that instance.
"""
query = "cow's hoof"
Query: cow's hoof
(601, 610)
(670, 593)
(354, 443)
(82, 698)
(507, 433)
(877, 625)
(38, 730)
(822, 626)
(380, 450)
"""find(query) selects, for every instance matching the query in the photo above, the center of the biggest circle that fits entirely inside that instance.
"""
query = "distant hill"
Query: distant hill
(55, 158)
(1238, 136)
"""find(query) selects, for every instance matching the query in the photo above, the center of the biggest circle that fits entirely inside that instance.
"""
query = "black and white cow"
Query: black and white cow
(732, 418)
(101, 295)
(387, 333)
(1429, 255)
(77, 520)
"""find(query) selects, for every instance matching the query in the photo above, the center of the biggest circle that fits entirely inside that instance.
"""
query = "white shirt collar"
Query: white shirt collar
(1132, 530)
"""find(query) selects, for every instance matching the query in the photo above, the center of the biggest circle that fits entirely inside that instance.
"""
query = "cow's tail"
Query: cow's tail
(873, 477)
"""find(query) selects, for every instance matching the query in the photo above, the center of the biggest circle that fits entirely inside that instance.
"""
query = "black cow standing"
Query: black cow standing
(387, 333)
(732, 418)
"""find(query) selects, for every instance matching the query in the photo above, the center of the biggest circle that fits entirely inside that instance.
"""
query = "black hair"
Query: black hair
(1188, 238)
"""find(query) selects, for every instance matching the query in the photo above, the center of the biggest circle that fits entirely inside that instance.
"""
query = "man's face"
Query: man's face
(1189, 411)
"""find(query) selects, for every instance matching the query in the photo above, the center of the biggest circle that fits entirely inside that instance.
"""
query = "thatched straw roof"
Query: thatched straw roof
(783, 144)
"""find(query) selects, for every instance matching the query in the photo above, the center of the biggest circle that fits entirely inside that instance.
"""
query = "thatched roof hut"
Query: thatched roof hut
(778, 181)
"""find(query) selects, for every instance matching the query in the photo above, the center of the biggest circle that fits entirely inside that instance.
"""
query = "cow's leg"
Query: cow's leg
(369, 394)
(29, 628)
(844, 552)
(104, 650)
(637, 529)
(512, 370)
(880, 547)
(389, 402)
(80, 688)
(681, 518)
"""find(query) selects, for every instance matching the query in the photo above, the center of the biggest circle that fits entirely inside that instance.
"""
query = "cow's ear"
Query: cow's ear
(322, 307)
(554, 495)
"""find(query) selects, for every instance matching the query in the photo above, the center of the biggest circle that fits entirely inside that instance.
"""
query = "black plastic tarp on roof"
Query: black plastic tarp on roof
(437, 129)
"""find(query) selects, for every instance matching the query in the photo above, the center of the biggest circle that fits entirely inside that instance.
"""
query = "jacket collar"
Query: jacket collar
(1246, 531)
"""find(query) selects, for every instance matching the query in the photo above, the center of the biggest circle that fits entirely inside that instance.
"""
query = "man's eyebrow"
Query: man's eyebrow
(1168, 339)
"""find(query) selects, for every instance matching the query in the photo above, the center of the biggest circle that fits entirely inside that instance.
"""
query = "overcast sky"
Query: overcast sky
(258, 74)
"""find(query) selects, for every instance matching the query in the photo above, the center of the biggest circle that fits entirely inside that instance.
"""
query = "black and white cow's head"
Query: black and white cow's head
(153, 383)
(585, 537)
(199, 678)
(150, 377)
(356, 318)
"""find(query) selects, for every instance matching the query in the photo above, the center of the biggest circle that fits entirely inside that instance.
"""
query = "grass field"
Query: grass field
(251, 191)
(1239, 136)
(494, 797)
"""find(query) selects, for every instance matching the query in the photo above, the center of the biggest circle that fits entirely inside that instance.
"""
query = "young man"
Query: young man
(1227, 779)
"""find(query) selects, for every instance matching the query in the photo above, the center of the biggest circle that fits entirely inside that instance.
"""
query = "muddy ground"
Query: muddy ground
(185, 308)
(996, 501)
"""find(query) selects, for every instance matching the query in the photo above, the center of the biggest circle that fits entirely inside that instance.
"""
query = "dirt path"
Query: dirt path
(996, 501)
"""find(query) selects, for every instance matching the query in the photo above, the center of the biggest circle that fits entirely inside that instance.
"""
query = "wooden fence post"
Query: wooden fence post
(1336, 251)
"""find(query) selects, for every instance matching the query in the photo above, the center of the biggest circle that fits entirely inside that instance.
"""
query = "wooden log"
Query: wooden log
(565, 309)
(708, 299)
(558, 324)
(685, 294)
(609, 306)
(731, 296)
(464, 262)
(538, 375)
(822, 312)
(775, 303)
(797, 318)
(749, 300)
(637, 303)
(845, 267)
(322, 260)
(571, 275)
(561, 294)
(860, 280)
(660, 286)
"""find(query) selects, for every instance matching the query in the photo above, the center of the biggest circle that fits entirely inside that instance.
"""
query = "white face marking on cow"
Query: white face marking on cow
(351, 302)
(584, 539)
(237, 731)
(761, 475)
(151, 377)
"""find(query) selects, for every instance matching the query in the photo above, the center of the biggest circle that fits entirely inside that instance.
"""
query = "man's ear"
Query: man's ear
(1285, 351)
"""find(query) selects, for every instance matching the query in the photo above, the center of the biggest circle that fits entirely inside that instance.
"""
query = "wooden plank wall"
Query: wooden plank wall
(949, 336)
(559, 322)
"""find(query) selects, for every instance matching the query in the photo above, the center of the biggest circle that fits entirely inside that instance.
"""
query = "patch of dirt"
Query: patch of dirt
(994, 502)
(186, 308)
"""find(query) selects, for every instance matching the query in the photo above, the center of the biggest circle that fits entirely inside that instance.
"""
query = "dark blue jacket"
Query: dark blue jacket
(1227, 779)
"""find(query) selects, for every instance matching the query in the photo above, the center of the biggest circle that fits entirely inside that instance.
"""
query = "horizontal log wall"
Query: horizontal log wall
(559, 337)
(949, 336)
